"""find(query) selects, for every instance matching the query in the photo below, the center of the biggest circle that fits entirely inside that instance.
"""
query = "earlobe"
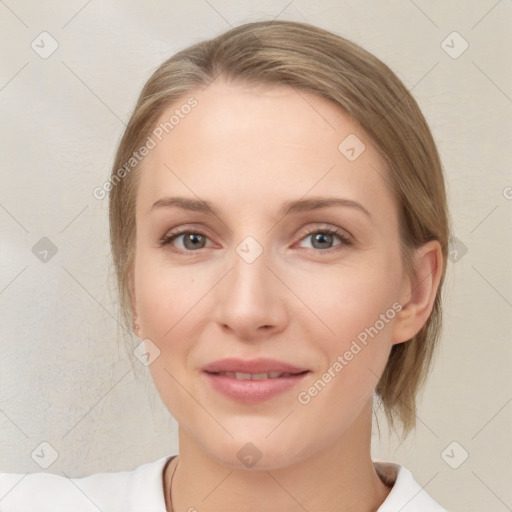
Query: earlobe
(136, 326)
(419, 292)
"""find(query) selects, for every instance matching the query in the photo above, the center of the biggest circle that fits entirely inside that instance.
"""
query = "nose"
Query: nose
(251, 300)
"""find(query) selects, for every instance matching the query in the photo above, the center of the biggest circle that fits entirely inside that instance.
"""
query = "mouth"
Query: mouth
(252, 381)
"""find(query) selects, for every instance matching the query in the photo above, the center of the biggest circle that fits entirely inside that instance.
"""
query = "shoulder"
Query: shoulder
(406, 494)
(139, 489)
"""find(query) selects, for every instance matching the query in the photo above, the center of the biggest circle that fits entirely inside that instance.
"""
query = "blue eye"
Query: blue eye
(193, 241)
(326, 236)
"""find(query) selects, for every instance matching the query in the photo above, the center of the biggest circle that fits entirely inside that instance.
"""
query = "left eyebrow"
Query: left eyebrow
(315, 203)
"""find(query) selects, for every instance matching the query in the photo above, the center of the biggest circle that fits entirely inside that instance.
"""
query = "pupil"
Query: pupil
(194, 237)
(322, 237)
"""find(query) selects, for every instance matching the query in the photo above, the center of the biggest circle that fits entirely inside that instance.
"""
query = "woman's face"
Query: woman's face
(257, 277)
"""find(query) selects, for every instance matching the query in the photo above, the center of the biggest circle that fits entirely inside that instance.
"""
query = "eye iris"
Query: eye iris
(194, 237)
(322, 238)
(193, 240)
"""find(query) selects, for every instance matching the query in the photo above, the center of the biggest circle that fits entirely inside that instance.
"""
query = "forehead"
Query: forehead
(260, 141)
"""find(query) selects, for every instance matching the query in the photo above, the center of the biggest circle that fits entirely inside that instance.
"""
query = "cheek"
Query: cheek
(171, 304)
(169, 308)
(165, 296)
(350, 299)
(355, 314)
(358, 309)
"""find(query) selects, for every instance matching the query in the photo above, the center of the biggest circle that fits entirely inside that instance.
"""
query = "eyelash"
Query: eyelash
(170, 237)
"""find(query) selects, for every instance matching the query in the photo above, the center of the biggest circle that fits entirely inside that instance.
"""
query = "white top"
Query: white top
(141, 490)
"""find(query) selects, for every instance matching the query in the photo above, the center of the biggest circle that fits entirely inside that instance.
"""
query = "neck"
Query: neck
(337, 478)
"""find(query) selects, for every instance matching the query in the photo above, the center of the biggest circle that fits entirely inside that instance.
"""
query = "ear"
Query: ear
(133, 305)
(418, 293)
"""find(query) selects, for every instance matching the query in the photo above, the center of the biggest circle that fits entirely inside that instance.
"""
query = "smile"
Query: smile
(253, 388)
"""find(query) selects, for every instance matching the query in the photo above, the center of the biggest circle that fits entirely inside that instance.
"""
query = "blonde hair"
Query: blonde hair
(309, 59)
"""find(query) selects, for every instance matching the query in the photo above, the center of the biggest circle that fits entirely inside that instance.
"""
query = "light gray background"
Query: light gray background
(65, 375)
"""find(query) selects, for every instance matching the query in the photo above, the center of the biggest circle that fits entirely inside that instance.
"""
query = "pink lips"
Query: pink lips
(245, 380)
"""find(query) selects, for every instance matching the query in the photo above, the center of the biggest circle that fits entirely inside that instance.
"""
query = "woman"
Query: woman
(279, 229)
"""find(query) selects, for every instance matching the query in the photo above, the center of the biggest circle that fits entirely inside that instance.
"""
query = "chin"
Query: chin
(252, 451)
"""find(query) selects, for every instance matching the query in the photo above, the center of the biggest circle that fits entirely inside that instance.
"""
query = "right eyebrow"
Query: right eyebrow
(196, 205)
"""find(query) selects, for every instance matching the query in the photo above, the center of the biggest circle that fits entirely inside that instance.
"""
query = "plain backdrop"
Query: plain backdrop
(67, 375)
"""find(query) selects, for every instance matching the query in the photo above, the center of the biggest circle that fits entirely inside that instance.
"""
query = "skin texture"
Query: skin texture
(247, 150)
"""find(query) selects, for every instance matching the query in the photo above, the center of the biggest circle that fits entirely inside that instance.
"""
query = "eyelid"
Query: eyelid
(324, 227)
(187, 228)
